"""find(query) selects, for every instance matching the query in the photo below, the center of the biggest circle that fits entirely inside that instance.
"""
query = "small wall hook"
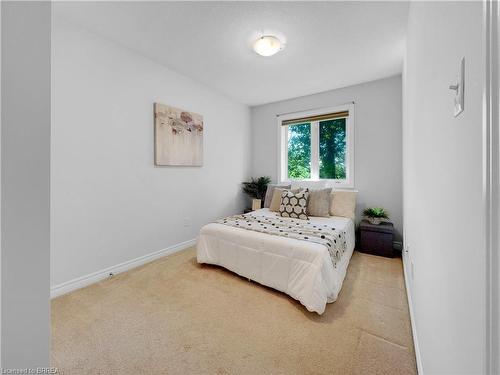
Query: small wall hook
(454, 87)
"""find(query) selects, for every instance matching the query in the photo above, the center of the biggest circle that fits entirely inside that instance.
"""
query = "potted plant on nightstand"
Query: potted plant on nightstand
(375, 215)
(256, 189)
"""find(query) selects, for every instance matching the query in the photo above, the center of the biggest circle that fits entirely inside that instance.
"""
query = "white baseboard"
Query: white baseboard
(412, 320)
(80, 282)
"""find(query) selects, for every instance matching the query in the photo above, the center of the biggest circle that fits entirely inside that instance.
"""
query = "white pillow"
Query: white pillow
(343, 203)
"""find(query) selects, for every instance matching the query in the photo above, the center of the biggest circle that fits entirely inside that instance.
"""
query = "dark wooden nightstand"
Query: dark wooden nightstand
(376, 239)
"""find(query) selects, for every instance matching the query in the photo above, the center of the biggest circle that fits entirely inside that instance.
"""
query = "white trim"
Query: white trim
(282, 146)
(83, 281)
(491, 193)
(314, 150)
(418, 358)
(351, 129)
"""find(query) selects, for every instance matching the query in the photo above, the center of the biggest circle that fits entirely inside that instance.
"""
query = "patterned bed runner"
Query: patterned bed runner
(333, 239)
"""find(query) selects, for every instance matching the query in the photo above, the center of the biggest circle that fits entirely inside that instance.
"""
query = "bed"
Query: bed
(302, 269)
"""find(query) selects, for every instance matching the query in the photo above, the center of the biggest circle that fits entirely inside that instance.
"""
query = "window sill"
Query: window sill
(335, 184)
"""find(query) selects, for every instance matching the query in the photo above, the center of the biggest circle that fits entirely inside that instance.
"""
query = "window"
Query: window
(318, 145)
(299, 151)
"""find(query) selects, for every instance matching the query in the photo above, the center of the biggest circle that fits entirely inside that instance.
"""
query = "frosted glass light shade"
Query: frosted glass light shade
(268, 45)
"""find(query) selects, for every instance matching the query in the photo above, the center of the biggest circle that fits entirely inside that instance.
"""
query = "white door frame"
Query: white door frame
(491, 173)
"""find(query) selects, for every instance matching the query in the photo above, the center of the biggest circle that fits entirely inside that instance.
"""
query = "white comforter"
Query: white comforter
(302, 269)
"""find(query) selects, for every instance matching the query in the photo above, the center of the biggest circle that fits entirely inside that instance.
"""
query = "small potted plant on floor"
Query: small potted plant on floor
(256, 189)
(375, 215)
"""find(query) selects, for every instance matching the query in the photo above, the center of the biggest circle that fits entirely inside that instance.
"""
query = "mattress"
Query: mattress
(301, 269)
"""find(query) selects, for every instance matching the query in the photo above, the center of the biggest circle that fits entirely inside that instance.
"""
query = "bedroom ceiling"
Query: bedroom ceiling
(328, 44)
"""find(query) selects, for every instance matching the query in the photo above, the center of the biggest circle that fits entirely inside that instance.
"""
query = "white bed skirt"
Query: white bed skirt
(301, 269)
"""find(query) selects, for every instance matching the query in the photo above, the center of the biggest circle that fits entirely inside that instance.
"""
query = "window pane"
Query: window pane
(332, 149)
(299, 151)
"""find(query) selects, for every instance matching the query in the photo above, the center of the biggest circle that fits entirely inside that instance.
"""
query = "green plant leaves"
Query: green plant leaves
(257, 187)
(378, 212)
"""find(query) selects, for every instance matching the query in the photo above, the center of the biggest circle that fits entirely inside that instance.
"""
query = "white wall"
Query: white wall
(110, 204)
(378, 126)
(25, 158)
(443, 187)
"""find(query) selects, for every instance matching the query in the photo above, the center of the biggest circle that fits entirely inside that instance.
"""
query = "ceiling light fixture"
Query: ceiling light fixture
(268, 45)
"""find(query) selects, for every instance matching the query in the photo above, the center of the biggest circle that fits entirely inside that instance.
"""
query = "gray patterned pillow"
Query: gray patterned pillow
(319, 202)
(294, 204)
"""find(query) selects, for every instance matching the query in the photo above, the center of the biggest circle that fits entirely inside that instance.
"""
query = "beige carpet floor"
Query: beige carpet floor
(174, 316)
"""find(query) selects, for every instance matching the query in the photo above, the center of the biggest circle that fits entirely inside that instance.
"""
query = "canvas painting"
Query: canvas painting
(178, 136)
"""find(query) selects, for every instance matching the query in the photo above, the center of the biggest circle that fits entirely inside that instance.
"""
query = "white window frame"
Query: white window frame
(348, 182)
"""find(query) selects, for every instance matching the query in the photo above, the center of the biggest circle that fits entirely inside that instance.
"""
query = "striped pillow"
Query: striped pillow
(319, 202)
(270, 191)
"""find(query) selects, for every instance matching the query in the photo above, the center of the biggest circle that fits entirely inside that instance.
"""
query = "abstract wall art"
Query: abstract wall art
(178, 136)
